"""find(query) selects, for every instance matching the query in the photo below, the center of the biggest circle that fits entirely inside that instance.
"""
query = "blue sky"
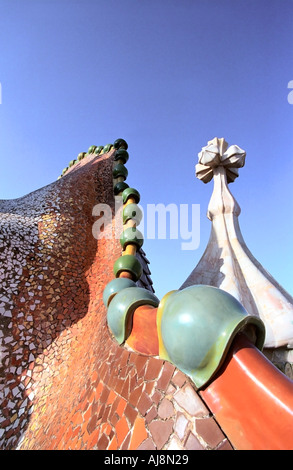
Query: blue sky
(167, 76)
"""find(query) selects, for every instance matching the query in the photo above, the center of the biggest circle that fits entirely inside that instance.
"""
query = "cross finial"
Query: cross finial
(216, 153)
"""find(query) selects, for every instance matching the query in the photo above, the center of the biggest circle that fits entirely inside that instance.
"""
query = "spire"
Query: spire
(227, 263)
(217, 154)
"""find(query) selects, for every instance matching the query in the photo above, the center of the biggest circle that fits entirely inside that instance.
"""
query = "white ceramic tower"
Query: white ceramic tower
(227, 263)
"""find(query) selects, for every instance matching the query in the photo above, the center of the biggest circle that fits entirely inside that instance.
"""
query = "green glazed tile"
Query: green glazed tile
(92, 149)
(130, 264)
(80, 156)
(196, 327)
(130, 192)
(122, 307)
(131, 235)
(120, 187)
(107, 148)
(114, 286)
(121, 154)
(98, 150)
(132, 212)
(120, 170)
(120, 143)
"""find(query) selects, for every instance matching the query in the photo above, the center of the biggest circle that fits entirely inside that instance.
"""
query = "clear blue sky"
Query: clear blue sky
(167, 76)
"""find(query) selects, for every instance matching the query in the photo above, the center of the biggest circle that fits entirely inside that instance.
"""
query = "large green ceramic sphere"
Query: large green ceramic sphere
(120, 187)
(120, 143)
(80, 156)
(99, 149)
(91, 149)
(120, 170)
(115, 286)
(107, 148)
(132, 212)
(122, 307)
(197, 326)
(121, 154)
(130, 264)
(131, 235)
(130, 193)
